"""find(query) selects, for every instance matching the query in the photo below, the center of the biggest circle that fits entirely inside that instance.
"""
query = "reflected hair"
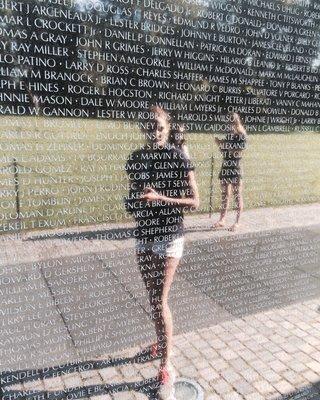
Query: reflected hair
(156, 112)
(174, 138)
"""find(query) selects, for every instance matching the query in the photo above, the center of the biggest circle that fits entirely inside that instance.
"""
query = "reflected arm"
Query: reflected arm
(191, 201)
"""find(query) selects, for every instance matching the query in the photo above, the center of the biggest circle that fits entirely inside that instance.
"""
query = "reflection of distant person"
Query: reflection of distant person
(162, 186)
(230, 175)
(177, 138)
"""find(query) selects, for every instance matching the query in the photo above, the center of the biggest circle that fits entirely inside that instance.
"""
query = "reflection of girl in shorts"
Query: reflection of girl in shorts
(230, 176)
(162, 186)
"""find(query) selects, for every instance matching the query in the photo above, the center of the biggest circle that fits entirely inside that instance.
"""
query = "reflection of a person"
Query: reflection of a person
(231, 172)
(162, 186)
(177, 139)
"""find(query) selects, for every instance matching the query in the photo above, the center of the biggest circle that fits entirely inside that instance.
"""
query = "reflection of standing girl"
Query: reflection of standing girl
(162, 186)
(231, 171)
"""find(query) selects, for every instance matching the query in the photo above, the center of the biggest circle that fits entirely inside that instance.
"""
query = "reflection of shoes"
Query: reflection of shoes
(166, 379)
(218, 224)
(167, 374)
(233, 227)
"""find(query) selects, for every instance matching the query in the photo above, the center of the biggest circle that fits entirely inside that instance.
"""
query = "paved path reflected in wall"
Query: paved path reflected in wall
(90, 299)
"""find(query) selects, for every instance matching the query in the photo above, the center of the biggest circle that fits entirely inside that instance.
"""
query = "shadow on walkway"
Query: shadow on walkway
(310, 392)
(96, 303)
(148, 387)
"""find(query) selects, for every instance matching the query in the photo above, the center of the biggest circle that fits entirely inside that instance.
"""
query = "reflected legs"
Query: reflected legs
(225, 199)
(238, 198)
(158, 288)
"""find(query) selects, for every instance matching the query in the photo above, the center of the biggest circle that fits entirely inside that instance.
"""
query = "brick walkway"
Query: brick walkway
(270, 355)
(263, 356)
